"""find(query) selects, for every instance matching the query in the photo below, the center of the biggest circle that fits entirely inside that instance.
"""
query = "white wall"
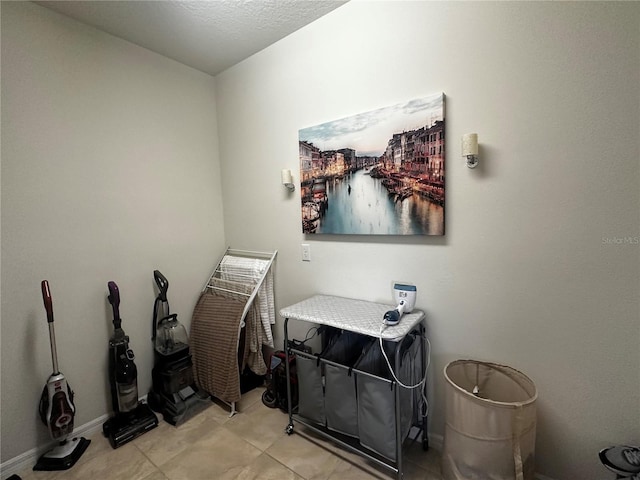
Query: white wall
(524, 275)
(109, 170)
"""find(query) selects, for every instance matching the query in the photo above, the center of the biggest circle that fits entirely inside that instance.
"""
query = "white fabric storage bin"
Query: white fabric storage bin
(310, 388)
(377, 396)
(489, 435)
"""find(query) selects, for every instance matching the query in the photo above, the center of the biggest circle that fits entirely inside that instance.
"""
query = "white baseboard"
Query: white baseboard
(436, 442)
(29, 458)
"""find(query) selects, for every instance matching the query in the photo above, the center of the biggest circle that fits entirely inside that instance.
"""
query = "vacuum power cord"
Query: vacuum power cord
(426, 370)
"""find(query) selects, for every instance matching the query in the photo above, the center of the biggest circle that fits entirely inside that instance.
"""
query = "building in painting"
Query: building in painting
(310, 161)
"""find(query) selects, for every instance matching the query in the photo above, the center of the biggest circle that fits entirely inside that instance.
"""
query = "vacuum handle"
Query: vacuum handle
(114, 300)
(163, 284)
(48, 306)
(173, 316)
(48, 303)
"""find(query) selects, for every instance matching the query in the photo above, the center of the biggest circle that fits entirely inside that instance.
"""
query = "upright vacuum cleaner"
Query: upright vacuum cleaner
(132, 417)
(57, 409)
(174, 391)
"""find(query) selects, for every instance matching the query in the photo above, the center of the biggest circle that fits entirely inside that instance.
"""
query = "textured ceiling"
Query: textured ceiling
(210, 36)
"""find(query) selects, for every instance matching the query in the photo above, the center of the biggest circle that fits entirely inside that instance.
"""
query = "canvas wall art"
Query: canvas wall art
(380, 172)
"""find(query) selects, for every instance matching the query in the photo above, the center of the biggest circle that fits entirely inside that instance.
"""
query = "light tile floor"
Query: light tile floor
(250, 445)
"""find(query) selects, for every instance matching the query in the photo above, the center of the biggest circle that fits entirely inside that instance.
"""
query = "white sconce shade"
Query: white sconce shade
(287, 179)
(470, 149)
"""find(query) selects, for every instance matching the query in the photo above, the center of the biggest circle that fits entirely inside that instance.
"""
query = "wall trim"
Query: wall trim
(29, 458)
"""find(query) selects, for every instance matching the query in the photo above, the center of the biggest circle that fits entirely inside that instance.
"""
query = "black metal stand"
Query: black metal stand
(350, 443)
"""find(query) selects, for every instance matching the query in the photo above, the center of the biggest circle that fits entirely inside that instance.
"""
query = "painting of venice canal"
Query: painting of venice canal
(377, 173)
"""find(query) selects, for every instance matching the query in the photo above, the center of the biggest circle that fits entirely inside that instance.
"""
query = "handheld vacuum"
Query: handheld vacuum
(132, 417)
(56, 407)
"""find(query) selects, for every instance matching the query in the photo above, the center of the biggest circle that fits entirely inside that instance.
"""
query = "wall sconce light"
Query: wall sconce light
(470, 149)
(287, 180)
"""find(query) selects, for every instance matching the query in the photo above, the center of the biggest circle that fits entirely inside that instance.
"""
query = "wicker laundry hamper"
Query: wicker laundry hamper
(490, 425)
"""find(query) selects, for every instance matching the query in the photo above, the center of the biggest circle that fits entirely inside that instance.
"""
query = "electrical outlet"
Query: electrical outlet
(306, 252)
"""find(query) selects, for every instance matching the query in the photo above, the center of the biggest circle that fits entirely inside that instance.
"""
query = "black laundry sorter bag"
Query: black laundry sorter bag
(340, 400)
(345, 348)
(377, 396)
(310, 388)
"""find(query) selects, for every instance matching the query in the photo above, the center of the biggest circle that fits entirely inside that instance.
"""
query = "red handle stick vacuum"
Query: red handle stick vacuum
(56, 407)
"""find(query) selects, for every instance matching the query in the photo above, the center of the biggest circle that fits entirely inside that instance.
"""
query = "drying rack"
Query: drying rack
(239, 280)
(218, 273)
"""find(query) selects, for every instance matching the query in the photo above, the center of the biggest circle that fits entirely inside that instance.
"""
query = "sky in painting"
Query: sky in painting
(369, 132)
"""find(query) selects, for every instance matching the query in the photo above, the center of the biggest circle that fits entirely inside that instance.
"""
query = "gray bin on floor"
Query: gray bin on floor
(377, 395)
(340, 400)
(310, 388)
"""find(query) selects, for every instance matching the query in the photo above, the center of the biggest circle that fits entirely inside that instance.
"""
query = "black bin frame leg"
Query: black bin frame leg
(289, 429)
(423, 362)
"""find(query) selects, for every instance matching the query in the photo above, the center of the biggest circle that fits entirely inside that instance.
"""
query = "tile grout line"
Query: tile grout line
(157, 467)
(296, 474)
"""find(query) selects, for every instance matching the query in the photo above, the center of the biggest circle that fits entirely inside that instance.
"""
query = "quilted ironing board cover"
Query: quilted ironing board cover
(358, 316)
